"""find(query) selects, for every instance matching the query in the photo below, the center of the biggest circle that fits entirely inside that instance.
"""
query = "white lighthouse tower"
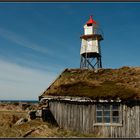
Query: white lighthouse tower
(90, 46)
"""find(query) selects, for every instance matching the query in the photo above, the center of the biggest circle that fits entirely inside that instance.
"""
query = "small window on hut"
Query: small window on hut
(106, 113)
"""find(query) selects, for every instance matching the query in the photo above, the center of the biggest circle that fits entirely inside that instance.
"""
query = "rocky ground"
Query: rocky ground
(15, 122)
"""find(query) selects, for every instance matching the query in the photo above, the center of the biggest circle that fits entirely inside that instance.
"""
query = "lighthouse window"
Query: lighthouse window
(107, 113)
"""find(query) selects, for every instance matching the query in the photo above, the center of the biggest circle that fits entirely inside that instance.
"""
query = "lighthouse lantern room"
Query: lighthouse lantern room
(90, 45)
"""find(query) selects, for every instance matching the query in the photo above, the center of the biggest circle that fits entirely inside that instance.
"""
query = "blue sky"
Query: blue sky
(39, 40)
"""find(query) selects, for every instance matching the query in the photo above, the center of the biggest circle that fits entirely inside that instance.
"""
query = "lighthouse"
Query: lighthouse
(90, 45)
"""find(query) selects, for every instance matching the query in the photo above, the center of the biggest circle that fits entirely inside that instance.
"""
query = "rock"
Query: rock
(21, 121)
(39, 113)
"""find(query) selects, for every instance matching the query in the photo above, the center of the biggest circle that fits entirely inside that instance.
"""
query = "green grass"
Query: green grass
(107, 90)
(120, 83)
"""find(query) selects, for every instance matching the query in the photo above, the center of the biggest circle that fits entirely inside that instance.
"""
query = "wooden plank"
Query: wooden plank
(81, 117)
(84, 119)
(54, 108)
(75, 118)
(127, 118)
(88, 114)
(59, 112)
(71, 117)
(68, 111)
(56, 112)
(133, 120)
(90, 119)
(124, 109)
(62, 115)
(66, 116)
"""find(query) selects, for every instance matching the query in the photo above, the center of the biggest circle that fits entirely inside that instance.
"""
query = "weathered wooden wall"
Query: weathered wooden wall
(80, 117)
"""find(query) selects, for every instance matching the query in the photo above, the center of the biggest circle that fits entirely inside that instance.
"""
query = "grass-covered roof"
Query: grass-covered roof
(123, 83)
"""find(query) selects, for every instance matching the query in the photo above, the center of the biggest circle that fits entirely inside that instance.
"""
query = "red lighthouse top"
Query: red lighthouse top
(91, 21)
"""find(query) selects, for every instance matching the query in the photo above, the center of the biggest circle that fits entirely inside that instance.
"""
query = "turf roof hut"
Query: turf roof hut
(106, 102)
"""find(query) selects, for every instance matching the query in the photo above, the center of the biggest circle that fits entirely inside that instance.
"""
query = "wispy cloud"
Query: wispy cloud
(15, 38)
(18, 82)
(24, 42)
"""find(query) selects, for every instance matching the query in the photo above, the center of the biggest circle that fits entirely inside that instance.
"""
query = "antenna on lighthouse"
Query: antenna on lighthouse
(90, 45)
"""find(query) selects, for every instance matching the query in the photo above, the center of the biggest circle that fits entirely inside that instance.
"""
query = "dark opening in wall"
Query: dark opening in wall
(48, 116)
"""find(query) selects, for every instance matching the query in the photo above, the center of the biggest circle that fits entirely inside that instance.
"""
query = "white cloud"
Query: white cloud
(15, 38)
(24, 42)
(17, 82)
